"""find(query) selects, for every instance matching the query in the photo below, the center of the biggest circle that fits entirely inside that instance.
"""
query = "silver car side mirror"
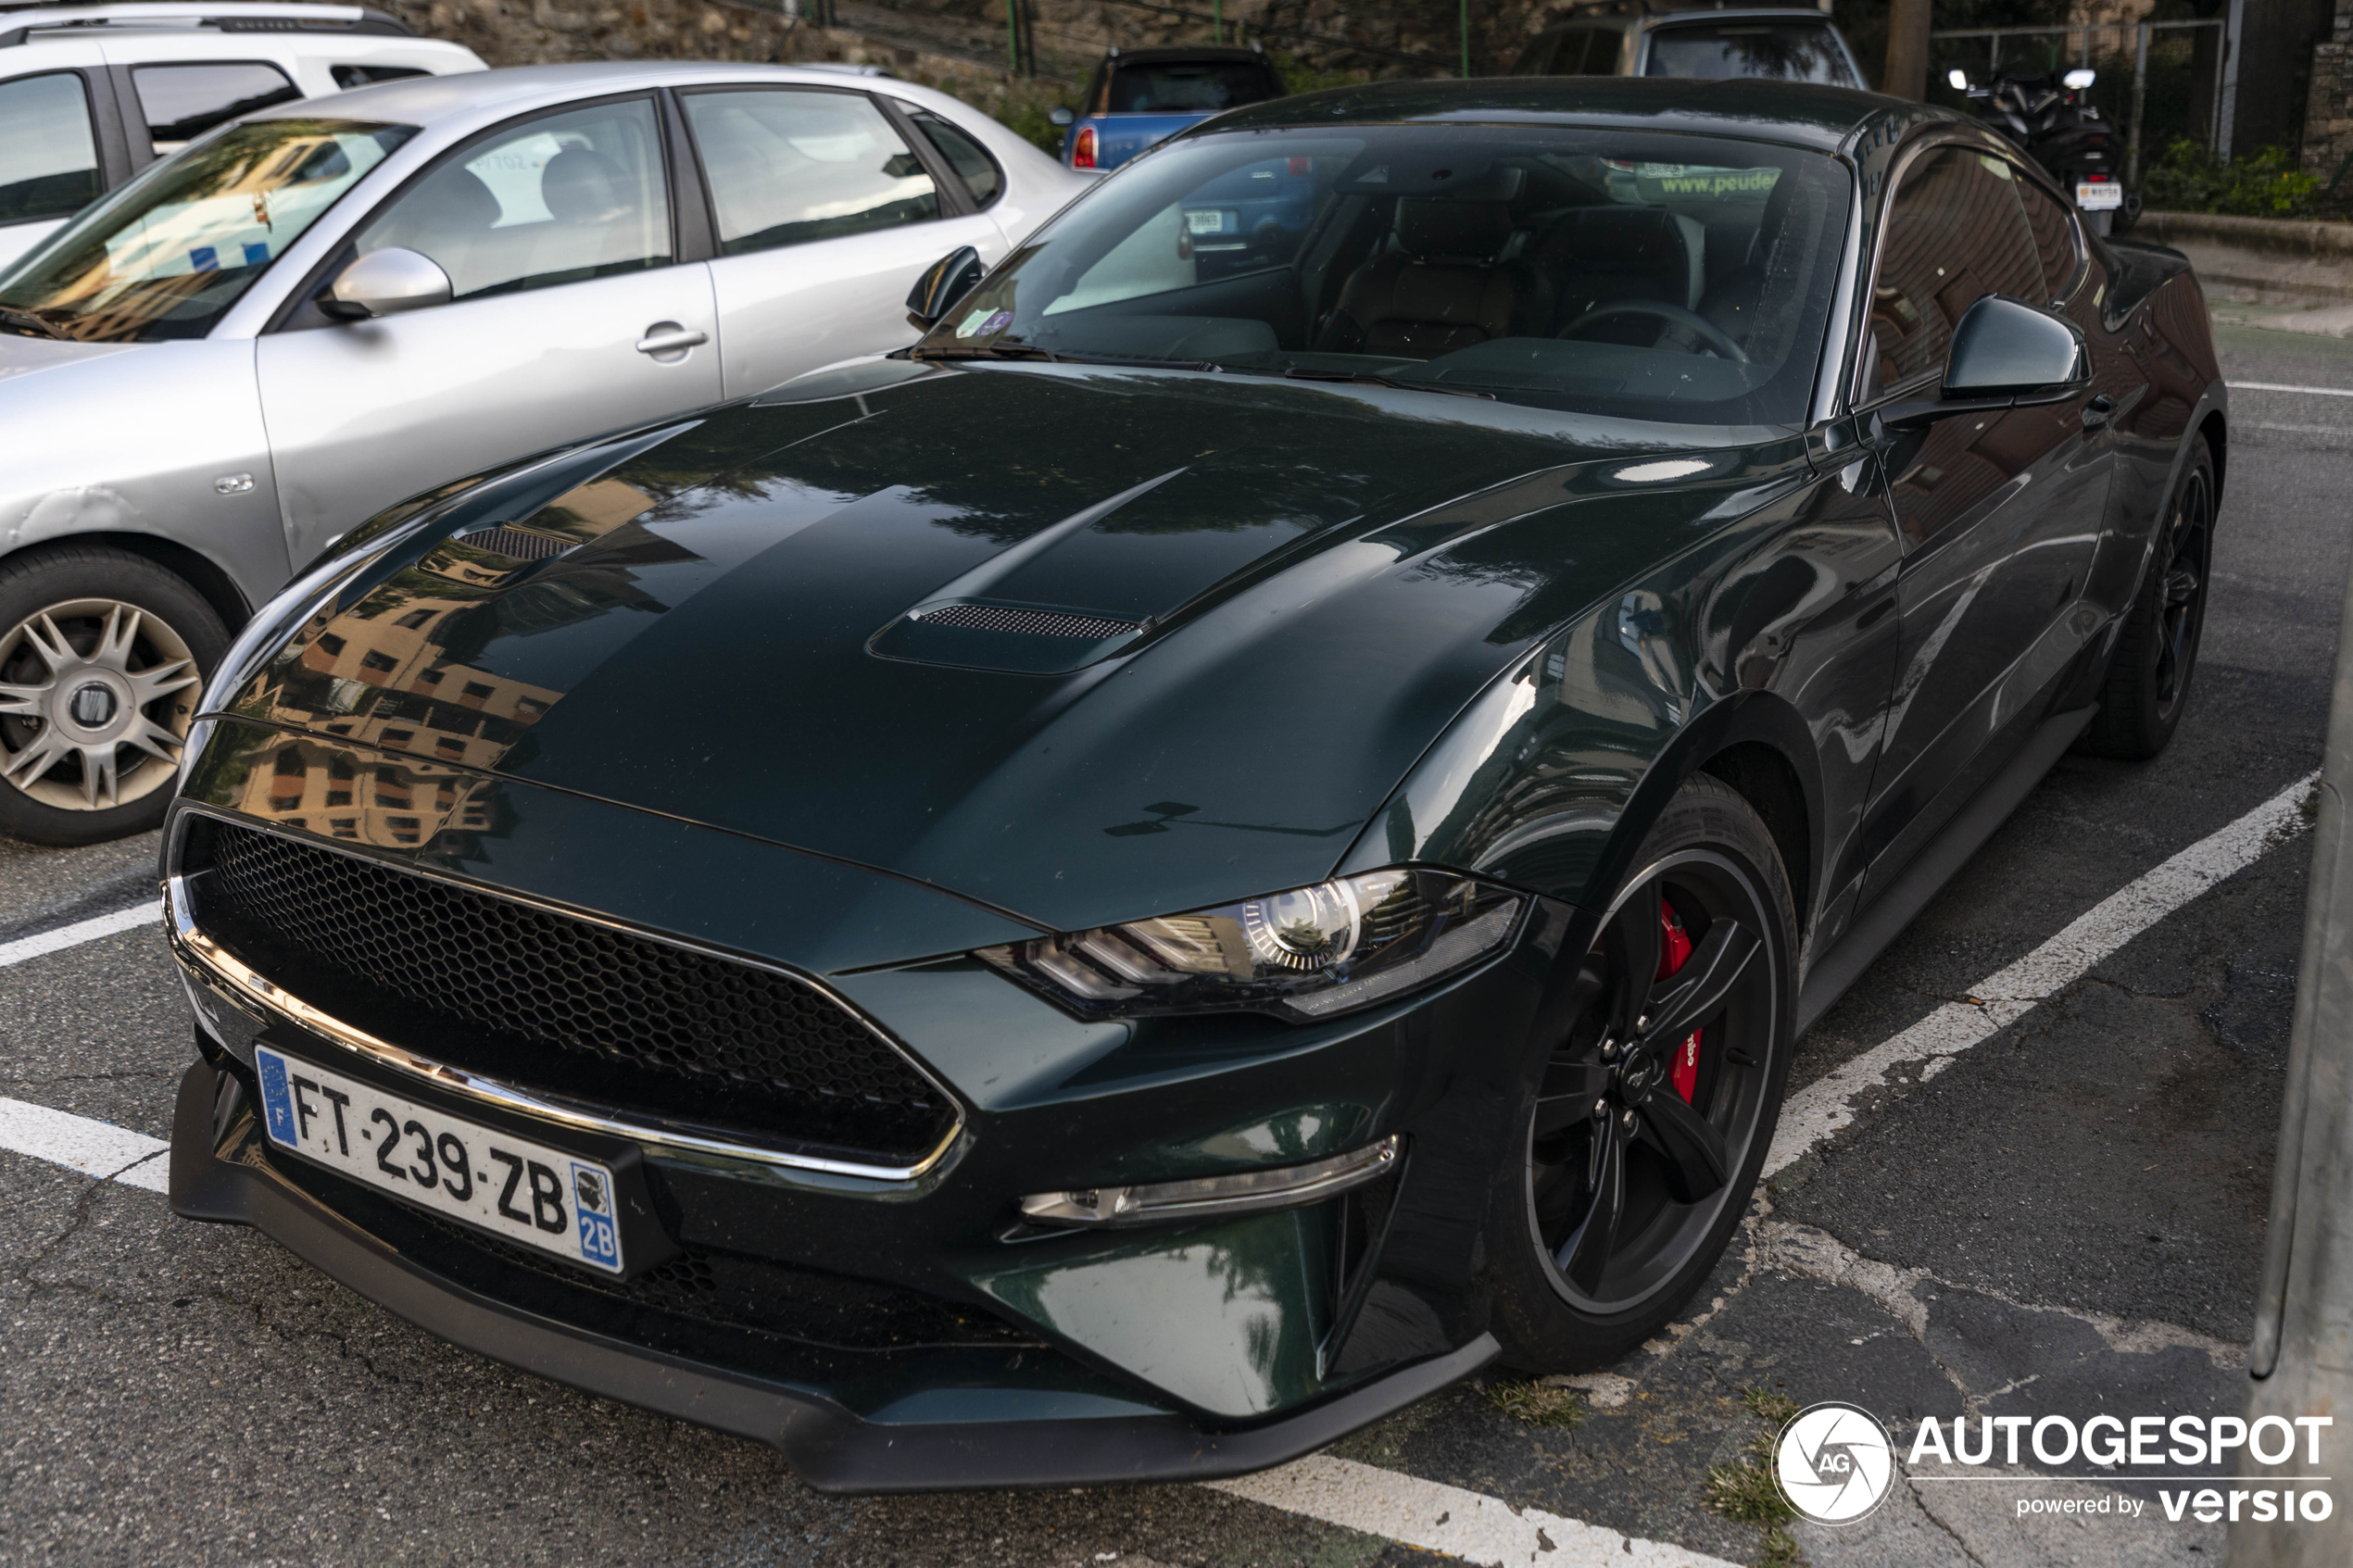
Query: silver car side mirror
(1061, 115)
(386, 283)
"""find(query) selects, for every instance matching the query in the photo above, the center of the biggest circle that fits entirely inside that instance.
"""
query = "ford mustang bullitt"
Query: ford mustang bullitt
(1221, 843)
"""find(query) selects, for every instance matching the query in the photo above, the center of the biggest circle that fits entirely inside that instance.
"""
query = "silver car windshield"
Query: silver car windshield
(165, 255)
(1673, 278)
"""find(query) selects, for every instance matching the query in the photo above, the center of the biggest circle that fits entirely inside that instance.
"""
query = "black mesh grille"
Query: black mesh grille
(751, 1047)
(1034, 623)
(517, 544)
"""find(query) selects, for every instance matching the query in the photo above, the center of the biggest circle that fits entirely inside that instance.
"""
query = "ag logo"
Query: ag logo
(1835, 1462)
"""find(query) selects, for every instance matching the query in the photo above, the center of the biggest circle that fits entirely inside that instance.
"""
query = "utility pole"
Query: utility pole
(1907, 73)
(1464, 8)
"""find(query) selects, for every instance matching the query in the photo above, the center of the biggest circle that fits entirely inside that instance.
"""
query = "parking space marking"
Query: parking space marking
(1436, 1517)
(79, 1143)
(80, 931)
(2284, 387)
(1823, 1107)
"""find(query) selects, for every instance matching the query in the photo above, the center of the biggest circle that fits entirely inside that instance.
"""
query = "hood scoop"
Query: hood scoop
(1019, 639)
(518, 543)
(1024, 621)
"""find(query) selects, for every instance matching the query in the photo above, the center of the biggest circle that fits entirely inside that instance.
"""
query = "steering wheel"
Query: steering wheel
(1708, 331)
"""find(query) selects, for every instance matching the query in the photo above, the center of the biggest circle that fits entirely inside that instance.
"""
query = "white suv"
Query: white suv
(91, 95)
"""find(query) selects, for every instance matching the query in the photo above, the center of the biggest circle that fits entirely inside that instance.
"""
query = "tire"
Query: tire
(2147, 684)
(1568, 1296)
(129, 641)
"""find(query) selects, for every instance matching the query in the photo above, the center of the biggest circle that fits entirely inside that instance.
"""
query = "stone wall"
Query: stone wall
(520, 32)
(2328, 104)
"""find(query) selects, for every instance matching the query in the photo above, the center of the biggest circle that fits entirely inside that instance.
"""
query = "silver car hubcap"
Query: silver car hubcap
(96, 697)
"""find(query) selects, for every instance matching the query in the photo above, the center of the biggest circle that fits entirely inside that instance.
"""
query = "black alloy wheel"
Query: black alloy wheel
(1649, 1114)
(2147, 686)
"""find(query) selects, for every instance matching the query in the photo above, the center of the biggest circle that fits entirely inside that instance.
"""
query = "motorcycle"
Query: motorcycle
(2052, 120)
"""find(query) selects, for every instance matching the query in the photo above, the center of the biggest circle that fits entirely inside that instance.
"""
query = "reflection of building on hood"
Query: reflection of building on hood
(386, 665)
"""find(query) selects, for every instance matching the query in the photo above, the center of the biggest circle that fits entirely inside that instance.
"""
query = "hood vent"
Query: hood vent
(1029, 622)
(518, 543)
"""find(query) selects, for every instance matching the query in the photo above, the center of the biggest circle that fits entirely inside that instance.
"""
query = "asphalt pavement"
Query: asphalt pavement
(2067, 1217)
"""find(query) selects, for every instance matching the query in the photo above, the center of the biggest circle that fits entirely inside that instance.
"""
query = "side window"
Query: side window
(556, 200)
(1955, 233)
(180, 103)
(975, 168)
(49, 162)
(2054, 230)
(787, 166)
(1582, 51)
(360, 76)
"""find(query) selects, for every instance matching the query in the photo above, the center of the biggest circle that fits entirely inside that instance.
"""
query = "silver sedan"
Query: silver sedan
(331, 306)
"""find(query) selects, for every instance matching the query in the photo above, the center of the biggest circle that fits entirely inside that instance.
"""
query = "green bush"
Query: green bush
(2267, 185)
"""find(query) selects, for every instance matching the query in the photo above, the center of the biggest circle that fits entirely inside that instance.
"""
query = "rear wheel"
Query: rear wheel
(1644, 1117)
(101, 658)
(2148, 675)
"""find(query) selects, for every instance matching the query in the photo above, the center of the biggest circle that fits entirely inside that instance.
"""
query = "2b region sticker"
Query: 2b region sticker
(1836, 1462)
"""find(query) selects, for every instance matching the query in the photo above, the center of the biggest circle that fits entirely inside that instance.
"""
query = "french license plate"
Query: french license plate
(2098, 195)
(1200, 222)
(525, 1192)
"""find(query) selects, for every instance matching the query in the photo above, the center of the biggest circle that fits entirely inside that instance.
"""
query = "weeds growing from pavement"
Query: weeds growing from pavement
(1537, 1404)
(1749, 1491)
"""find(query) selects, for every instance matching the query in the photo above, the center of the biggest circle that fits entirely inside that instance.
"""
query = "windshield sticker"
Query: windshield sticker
(978, 322)
(1658, 182)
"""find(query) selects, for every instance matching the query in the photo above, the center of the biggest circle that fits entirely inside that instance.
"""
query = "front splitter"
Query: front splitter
(830, 1447)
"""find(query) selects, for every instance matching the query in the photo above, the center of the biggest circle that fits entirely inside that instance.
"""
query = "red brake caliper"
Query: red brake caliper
(1674, 946)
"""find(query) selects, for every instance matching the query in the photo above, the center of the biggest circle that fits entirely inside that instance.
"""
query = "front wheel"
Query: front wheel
(103, 655)
(1646, 1108)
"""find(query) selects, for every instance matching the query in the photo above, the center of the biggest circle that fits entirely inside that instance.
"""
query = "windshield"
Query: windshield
(1188, 87)
(1782, 51)
(1682, 278)
(168, 253)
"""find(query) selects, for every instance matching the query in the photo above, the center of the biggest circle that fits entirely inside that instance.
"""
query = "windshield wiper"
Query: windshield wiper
(985, 351)
(33, 326)
(1367, 378)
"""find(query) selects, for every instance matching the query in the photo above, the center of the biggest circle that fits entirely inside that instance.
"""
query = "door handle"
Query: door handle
(669, 337)
(2096, 412)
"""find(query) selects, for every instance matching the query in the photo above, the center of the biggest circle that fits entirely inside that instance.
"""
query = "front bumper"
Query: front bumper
(220, 1173)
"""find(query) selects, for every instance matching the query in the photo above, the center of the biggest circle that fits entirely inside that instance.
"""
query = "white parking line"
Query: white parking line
(1437, 1517)
(79, 1143)
(1819, 1110)
(2284, 387)
(80, 931)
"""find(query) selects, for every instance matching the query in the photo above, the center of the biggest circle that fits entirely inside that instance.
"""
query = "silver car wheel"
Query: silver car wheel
(82, 682)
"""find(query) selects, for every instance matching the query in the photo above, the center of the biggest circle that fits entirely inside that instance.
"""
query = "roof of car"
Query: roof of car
(420, 100)
(1677, 10)
(20, 23)
(1798, 112)
(1199, 51)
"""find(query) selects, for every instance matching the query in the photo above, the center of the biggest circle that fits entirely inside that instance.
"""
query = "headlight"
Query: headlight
(1308, 953)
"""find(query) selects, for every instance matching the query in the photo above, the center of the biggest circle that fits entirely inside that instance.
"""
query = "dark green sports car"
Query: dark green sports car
(1243, 830)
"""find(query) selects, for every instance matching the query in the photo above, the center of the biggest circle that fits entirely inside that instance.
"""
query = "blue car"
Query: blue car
(1139, 97)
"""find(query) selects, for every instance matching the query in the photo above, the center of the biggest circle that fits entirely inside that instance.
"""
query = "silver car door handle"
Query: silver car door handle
(664, 338)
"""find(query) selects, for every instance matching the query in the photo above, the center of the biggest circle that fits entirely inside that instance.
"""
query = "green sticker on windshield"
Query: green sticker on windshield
(974, 322)
(1672, 182)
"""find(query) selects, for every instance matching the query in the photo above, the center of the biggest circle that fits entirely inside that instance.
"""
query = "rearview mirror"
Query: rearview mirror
(944, 282)
(2005, 354)
(386, 283)
(1058, 115)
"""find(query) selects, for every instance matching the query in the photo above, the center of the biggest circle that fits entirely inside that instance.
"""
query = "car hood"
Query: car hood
(28, 355)
(1081, 644)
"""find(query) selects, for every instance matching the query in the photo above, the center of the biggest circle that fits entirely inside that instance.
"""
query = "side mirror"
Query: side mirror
(1060, 116)
(944, 282)
(2005, 354)
(386, 283)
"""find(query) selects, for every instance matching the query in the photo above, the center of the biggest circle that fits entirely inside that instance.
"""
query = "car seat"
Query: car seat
(1598, 256)
(597, 209)
(1448, 277)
